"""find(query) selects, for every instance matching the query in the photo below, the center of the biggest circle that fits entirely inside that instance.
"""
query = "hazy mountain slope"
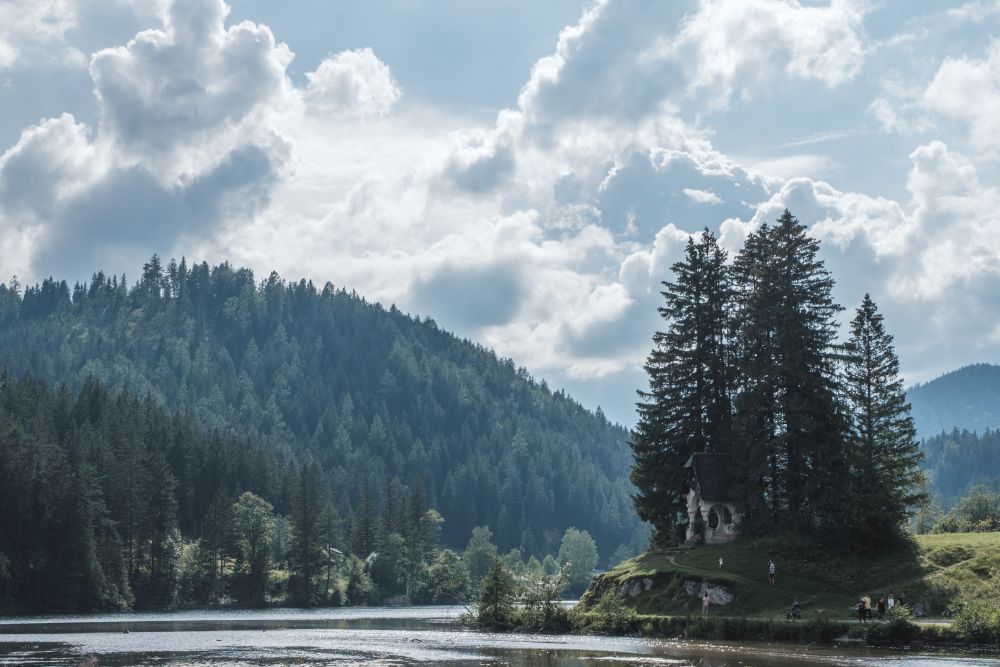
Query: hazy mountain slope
(968, 398)
(371, 393)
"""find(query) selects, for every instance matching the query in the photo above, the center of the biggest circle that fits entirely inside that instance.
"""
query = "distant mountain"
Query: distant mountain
(371, 394)
(968, 398)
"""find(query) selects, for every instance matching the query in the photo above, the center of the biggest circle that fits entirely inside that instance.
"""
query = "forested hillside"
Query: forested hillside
(94, 486)
(966, 399)
(371, 394)
(960, 460)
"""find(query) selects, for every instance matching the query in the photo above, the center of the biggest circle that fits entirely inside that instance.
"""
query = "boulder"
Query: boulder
(717, 593)
(633, 588)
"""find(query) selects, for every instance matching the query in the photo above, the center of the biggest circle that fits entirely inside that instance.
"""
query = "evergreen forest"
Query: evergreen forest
(111, 502)
(750, 363)
(960, 460)
(265, 377)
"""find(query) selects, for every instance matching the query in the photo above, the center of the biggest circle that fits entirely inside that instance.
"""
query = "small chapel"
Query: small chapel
(710, 499)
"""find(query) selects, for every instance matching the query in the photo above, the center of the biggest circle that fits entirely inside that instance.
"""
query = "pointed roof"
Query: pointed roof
(712, 475)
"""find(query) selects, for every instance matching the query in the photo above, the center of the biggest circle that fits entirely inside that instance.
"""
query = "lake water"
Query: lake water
(427, 635)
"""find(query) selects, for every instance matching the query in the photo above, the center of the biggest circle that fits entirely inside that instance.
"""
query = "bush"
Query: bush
(979, 622)
(821, 627)
(494, 607)
(541, 607)
(444, 581)
(611, 615)
(899, 628)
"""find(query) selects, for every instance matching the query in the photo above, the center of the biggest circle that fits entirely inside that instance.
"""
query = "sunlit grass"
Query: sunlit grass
(934, 570)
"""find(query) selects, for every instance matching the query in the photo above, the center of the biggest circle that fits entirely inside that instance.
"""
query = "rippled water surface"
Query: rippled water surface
(427, 635)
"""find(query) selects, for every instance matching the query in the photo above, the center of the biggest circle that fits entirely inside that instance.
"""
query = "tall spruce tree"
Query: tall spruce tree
(157, 530)
(216, 527)
(687, 408)
(308, 550)
(790, 421)
(883, 440)
(366, 531)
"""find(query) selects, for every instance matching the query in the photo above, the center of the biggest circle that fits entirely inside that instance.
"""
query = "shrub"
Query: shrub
(978, 622)
(541, 607)
(899, 628)
(494, 608)
(612, 615)
(821, 627)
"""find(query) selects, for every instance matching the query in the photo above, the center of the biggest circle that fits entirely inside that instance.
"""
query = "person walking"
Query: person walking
(705, 601)
(770, 572)
(720, 562)
(880, 606)
(891, 602)
(861, 610)
(868, 606)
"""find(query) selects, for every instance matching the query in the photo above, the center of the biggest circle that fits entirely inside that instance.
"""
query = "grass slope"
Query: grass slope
(937, 570)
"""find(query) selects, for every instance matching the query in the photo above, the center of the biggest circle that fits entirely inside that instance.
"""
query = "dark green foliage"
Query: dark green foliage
(979, 621)
(494, 606)
(959, 460)
(687, 408)
(329, 539)
(367, 530)
(899, 626)
(749, 365)
(216, 530)
(977, 512)
(92, 485)
(789, 425)
(253, 523)
(444, 581)
(369, 393)
(388, 567)
(309, 548)
(884, 452)
(480, 554)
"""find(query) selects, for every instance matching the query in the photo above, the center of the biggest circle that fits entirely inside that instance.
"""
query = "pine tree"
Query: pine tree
(329, 535)
(687, 408)
(216, 527)
(308, 550)
(883, 440)
(789, 421)
(157, 528)
(366, 530)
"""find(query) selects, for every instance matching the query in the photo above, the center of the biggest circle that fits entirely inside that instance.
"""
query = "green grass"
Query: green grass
(935, 570)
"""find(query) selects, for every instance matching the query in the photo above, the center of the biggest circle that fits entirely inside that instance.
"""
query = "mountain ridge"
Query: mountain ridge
(967, 398)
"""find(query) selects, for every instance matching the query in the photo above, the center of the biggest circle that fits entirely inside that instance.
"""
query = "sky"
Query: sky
(522, 172)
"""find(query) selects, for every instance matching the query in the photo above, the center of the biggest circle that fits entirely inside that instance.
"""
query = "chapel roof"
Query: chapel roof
(712, 475)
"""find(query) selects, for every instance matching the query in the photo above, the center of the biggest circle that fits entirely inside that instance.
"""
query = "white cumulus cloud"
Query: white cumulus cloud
(353, 83)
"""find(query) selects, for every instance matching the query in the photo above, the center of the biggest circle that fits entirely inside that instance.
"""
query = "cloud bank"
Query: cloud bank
(545, 233)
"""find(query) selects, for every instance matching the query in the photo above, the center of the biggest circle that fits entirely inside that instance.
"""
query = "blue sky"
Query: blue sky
(523, 172)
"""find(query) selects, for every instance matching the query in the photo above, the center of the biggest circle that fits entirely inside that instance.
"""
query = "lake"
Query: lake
(381, 636)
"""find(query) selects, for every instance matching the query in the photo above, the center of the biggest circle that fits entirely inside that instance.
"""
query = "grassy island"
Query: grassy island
(935, 571)
(951, 581)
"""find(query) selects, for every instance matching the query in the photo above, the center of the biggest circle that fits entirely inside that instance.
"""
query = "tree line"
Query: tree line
(959, 460)
(750, 364)
(371, 394)
(96, 486)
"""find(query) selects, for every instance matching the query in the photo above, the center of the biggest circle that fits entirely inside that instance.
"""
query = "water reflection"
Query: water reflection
(425, 635)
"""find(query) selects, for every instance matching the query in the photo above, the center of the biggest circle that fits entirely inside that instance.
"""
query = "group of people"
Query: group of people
(866, 609)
